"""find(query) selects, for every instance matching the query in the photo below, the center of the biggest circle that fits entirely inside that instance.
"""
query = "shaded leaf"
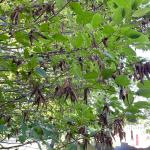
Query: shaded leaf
(141, 12)
(41, 72)
(22, 37)
(59, 37)
(145, 92)
(142, 105)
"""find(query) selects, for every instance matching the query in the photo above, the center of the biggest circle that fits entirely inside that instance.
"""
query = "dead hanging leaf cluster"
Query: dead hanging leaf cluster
(83, 131)
(47, 8)
(69, 136)
(67, 90)
(80, 131)
(102, 117)
(123, 94)
(38, 96)
(6, 119)
(61, 64)
(15, 15)
(96, 59)
(16, 61)
(103, 137)
(37, 11)
(144, 23)
(118, 128)
(86, 92)
(25, 114)
(34, 35)
(141, 70)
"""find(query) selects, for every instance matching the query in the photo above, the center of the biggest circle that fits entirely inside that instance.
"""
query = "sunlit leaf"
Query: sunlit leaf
(141, 12)
(96, 20)
(122, 80)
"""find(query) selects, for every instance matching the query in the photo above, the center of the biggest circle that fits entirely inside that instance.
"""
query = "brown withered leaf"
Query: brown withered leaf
(38, 96)
(73, 96)
(34, 35)
(40, 10)
(106, 108)
(68, 136)
(59, 91)
(82, 130)
(15, 15)
(86, 91)
(118, 128)
(140, 70)
(104, 41)
(66, 90)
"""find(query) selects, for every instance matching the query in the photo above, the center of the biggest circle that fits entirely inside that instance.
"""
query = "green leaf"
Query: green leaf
(122, 3)
(131, 117)
(132, 109)
(76, 7)
(96, 20)
(3, 37)
(133, 34)
(22, 138)
(22, 37)
(91, 75)
(37, 132)
(107, 73)
(145, 92)
(2, 128)
(122, 80)
(142, 105)
(84, 18)
(72, 146)
(130, 33)
(76, 70)
(117, 16)
(41, 72)
(144, 89)
(33, 63)
(145, 84)
(108, 30)
(59, 3)
(135, 4)
(79, 40)
(128, 52)
(26, 53)
(2, 121)
(141, 12)
(59, 37)
(44, 27)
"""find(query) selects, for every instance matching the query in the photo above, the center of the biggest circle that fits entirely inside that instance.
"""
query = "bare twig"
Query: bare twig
(10, 147)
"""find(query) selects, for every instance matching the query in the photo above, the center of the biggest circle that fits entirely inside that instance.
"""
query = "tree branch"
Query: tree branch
(10, 147)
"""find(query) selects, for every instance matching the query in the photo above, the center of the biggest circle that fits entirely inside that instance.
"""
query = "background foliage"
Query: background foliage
(69, 69)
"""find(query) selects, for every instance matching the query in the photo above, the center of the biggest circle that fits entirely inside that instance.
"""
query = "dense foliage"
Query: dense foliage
(69, 69)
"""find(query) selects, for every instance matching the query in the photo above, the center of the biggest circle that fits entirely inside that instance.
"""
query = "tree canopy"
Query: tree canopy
(69, 69)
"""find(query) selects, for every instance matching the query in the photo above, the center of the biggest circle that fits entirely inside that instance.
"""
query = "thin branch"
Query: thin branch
(15, 100)
(40, 21)
(56, 12)
(16, 146)
(64, 145)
